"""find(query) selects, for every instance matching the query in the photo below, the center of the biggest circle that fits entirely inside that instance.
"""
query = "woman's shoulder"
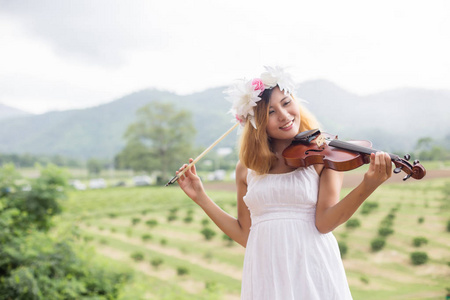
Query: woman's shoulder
(241, 172)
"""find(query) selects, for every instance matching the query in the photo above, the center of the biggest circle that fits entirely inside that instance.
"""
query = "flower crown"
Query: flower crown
(244, 94)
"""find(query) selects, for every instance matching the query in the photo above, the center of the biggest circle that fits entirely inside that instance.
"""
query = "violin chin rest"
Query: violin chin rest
(306, 136)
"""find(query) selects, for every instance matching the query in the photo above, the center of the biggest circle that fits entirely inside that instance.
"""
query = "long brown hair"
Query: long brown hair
(255, 148)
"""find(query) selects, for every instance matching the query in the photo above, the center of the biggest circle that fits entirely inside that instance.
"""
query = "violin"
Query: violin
(313, 147)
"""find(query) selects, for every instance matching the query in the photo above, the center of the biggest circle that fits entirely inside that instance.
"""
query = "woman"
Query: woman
(285, 215)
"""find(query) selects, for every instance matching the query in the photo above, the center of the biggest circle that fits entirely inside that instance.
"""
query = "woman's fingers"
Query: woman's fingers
(191, 170)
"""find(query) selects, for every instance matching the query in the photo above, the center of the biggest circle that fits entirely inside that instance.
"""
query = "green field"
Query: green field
(119, 224)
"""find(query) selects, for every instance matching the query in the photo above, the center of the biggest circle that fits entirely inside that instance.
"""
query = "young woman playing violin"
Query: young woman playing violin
(285, 216)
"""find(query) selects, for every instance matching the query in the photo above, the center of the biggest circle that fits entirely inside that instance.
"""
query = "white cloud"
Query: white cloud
(59, 55)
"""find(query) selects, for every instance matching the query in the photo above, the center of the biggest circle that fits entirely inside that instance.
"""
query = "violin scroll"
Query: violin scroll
(416, 171)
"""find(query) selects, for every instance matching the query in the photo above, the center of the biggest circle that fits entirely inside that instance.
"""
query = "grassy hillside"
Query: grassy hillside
(162, 225)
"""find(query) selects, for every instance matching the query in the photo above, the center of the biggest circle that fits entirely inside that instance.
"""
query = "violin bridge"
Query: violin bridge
(320, 140)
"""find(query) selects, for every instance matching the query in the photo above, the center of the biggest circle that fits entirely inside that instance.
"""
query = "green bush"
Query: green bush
(135, 221)
(420, 220)
(188, 219)
(205, 222)
(145, 237)
(208, 233)
(156, 262)
(182, 271)
(377, 243)
(385, 231)
(419, 258)
(151, 223)
(353, 223)
(171, 217)
(364, 279)
(343, 248)
(448, 226)
(137, 256)
(227, 239)
(419, 241)
(368, 207)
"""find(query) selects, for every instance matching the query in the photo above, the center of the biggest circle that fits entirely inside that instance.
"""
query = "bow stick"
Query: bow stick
(176, 177)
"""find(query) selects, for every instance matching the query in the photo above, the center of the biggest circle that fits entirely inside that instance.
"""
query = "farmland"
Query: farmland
(175, 252)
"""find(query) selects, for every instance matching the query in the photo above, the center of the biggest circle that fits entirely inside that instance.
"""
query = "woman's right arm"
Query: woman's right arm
(237, 229)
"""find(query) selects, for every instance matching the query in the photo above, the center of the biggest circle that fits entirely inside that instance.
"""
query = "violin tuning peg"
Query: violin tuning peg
(406, 177)
(397, 170)
(407, 156)
(416, 162)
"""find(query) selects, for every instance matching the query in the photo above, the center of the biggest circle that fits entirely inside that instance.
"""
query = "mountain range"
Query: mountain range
(392, 120)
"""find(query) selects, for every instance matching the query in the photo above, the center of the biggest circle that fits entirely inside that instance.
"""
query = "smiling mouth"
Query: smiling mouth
(289, 124)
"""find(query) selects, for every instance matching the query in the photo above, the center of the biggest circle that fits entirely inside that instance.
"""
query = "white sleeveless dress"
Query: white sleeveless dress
(286, 256)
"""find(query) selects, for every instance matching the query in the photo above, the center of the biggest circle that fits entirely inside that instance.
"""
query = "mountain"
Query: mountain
(392, 120)
(7, 112)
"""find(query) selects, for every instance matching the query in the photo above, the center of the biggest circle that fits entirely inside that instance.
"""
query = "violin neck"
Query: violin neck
(356, 148)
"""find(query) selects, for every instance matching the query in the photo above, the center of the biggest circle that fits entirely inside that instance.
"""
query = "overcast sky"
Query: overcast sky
(57, 55)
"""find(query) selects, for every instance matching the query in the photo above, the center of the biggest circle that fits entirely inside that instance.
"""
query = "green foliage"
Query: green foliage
(94, 166)
(368, 207)
(135, 221)
(208, 233)
(137, 256)
(419, 241)
(182, 271)
(419, 258)
(156, 262)
(448, 226)
(378, 243)
(343, 248)
(227, 239)
(364, 279)
(188, 219)
(146, 237)
(34, 265)
(29, 160)
(353, 223)
(385, 231)
(160, 139)
(151, 223)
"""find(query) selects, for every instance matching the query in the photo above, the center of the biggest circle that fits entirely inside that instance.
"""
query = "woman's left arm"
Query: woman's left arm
(330, 212)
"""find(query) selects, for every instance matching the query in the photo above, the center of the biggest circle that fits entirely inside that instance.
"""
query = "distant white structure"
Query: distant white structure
(217, 175)
(78, 185)
(142, 180)
(97, 183)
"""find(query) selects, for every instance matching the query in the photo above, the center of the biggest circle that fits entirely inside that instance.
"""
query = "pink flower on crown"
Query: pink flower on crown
(258, 85)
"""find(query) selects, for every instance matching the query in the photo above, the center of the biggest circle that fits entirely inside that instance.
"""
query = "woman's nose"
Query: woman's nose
(284, 115)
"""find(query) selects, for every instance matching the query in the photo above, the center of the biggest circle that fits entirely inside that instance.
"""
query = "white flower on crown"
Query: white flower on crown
(244, 94)
(277, 76)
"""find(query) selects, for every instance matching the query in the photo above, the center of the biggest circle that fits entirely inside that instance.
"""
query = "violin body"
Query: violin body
(313, 147)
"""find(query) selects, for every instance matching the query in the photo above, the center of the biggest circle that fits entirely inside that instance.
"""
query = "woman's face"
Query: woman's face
(284, 116)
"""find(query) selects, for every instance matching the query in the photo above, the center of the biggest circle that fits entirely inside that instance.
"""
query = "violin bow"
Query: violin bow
(176, 177)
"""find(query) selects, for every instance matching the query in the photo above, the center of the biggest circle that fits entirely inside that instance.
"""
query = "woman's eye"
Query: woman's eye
(287, 102)
(271, 111)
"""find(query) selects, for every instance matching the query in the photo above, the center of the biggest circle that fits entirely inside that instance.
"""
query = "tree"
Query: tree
(160, 139)
(38, 265)
(94, 166)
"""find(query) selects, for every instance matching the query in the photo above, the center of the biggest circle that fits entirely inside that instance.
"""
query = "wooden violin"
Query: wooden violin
(313, 147)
